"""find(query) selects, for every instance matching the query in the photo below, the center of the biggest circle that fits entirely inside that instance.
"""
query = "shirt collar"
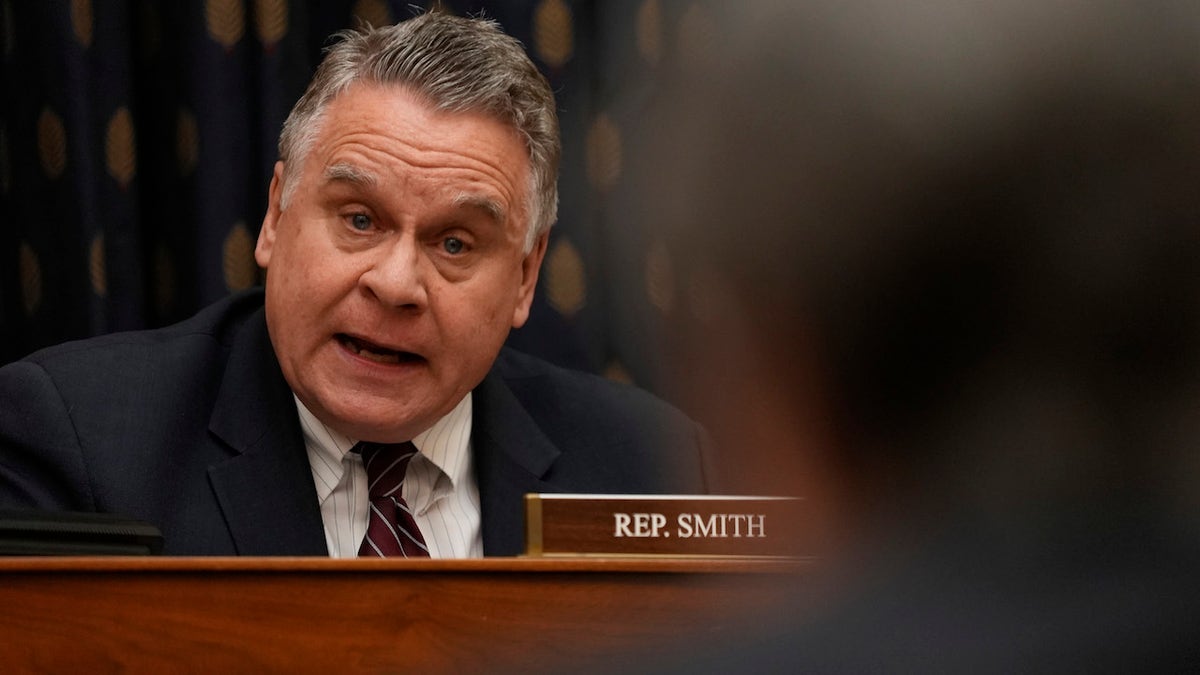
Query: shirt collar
(446, 445)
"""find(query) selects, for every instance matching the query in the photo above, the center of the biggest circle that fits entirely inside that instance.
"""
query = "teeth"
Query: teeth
(387, 356)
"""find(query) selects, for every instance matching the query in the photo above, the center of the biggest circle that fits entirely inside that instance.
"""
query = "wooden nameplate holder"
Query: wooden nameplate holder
(660, 525)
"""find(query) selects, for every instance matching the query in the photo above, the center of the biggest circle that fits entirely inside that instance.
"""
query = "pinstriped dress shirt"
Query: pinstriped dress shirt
(439, 486)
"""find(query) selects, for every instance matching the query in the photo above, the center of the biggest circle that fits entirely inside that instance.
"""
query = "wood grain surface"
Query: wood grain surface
(303, 615)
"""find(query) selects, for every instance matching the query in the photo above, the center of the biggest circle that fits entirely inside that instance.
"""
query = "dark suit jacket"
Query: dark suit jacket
(193, 428)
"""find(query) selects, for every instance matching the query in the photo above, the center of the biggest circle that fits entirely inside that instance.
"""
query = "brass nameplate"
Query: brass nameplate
(661, 525)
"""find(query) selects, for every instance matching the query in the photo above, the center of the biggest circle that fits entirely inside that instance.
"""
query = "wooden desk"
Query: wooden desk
(305, 614)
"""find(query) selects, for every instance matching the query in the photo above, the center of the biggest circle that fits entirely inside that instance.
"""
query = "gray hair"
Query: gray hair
(460, 65)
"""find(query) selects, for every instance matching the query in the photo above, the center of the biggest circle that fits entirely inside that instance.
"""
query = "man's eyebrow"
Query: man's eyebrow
(348, 173)
(493, 208)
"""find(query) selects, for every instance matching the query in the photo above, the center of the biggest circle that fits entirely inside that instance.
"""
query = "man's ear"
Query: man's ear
(266, 235)
(529, 276)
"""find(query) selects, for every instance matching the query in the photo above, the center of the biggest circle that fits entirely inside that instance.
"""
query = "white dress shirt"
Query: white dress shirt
(439, 486)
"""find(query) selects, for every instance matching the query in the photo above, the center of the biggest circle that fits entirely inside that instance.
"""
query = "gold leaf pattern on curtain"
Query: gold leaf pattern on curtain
(603, 153)
(52, 143)
(240, 269)
(119, 145)
(82, 21)
(97, 269)
(270, 21)
(226, 21)
(553, 32)
(31, 278)
(566, 283)
(649, 31)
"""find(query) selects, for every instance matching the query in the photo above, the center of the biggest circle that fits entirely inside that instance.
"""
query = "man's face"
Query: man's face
(398, 268)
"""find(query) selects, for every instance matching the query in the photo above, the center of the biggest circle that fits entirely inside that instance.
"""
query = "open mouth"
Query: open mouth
(376, 353)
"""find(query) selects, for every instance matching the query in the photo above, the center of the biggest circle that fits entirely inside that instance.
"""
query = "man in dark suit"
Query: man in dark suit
(407, 220)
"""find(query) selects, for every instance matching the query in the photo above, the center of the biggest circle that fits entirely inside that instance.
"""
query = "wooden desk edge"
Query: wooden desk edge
(582, 564)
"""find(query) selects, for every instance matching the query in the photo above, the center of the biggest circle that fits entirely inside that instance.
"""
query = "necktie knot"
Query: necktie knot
(386, 466)
(391, 529)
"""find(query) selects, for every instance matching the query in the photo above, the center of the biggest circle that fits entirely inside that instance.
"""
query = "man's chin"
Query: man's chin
(358, 421)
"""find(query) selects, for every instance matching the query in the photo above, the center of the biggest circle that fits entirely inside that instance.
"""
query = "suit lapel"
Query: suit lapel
(266, 490)
(512, 456)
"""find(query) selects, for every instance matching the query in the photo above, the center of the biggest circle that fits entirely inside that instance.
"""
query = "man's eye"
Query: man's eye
(360, 222)
(453, 245)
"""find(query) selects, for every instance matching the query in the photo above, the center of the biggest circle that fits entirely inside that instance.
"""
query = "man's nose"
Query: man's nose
(397, 276)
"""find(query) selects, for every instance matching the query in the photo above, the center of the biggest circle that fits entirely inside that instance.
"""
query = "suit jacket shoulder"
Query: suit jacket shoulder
(190, 427)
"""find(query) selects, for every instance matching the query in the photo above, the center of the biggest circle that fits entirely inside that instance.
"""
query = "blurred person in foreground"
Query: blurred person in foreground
(945, 261)
(408, 216)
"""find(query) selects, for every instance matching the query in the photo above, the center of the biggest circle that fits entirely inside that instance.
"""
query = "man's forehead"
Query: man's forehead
(346, 172)
(419, 124)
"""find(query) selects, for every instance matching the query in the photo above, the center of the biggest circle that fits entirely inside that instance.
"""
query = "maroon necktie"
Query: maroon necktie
(391, 530)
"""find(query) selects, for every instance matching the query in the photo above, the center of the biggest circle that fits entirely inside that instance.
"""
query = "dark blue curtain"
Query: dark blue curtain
(137, 140)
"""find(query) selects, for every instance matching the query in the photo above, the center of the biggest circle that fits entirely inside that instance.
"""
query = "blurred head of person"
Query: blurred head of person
(943, 261)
